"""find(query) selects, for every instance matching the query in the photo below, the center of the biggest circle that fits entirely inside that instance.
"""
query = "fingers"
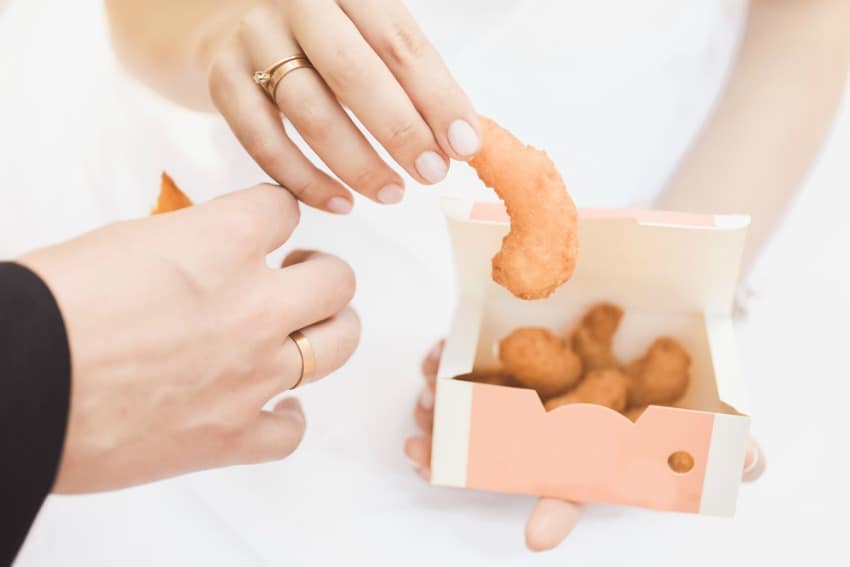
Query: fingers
(418, 451)
(314, 111)
(423, 414)
(361, 81)
(392, 32)
(261, 218)
(274, 435)
(256, 123)
(550, 522)
(313, 289)
(754, 462)
(431, 362)
(333, 340)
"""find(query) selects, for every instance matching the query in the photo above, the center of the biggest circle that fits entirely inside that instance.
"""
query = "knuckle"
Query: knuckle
(350, 71)
(365, 179)
(241, 227)
(403, 134)
(403, 45)
(312, 119)
(266, 151)
(346, 280)
(254, 21)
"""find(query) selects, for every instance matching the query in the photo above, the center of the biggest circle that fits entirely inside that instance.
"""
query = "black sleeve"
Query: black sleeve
(35, 378)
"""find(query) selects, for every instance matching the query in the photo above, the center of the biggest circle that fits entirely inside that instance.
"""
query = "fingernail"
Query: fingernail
(340, 206)
(426, 398)
(463, 138)
(425, 473)
(431, 167)
(391, 194)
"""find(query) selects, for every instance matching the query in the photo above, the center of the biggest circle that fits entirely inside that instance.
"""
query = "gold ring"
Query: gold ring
(271, 77)
(308, 357)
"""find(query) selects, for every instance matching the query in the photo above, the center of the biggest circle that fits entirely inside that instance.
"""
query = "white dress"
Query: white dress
(613, 90)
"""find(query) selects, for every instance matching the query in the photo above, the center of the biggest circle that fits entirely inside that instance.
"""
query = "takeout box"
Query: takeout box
(674, 274)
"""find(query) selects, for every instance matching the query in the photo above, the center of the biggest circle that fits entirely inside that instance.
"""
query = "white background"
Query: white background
(614, 100)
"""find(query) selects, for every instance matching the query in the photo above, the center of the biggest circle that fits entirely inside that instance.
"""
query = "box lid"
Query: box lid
(658, 259)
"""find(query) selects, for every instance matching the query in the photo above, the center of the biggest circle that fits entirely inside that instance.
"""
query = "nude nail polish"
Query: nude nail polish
(431, 167)
(463, 138)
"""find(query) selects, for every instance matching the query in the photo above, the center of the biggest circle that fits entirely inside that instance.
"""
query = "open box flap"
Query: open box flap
(658, 259)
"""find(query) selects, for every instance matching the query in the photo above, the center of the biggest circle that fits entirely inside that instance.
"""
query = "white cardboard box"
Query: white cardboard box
(674, 274)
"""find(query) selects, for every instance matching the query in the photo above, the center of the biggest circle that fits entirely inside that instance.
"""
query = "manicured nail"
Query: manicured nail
(391, 194)
(463, 138)
(431, 167)
(340, 206)
(426, 398)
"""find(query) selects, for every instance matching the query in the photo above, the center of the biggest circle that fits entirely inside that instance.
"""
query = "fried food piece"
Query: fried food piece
(540, 359)
(492, 377)
(539, 253)
(171, 198)
(635, 412)
(594, 336)
(609, 388)
(661, 376)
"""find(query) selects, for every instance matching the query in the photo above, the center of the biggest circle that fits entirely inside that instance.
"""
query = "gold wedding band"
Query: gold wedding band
(271, 77)
(308, 357)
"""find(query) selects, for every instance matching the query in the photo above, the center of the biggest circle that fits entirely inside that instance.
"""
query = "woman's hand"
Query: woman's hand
(551, 520)
(179, 334)
(368, 56)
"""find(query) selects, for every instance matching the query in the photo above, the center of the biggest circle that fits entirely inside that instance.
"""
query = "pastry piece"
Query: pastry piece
(171, 198)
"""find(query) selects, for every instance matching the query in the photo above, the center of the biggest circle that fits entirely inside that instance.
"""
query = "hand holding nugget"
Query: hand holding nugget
(539, 359)
(539, 254)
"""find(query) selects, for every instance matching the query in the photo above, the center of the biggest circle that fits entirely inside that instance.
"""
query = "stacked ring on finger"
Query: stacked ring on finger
(271, 77)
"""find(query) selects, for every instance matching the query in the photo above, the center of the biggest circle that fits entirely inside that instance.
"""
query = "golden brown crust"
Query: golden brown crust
(540, 251)
(635, 412)
(171, 198)
(607, 388)
(661, 376)
(540, 359)
(594, 337)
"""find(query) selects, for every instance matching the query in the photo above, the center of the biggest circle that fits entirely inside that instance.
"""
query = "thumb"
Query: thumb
(276, 434)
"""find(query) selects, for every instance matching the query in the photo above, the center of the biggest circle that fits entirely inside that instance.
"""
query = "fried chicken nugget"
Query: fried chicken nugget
(661, 376)
(171, 198)
(539, 253)
(594, 336)
(540, 359)
(609, 388)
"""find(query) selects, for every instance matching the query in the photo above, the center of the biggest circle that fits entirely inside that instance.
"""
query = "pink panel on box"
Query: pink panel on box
(495, 212)
(585, 452)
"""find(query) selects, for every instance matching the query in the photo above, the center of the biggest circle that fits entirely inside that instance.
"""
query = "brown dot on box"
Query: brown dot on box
(680, 462)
